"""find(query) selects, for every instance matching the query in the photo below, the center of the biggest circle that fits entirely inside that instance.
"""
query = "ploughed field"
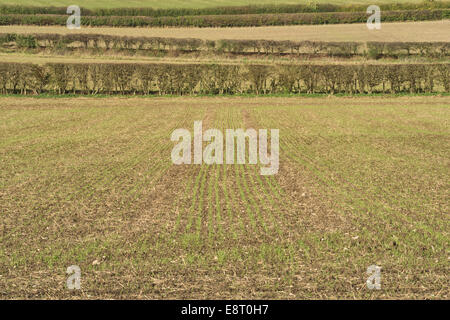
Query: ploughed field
(90, 182)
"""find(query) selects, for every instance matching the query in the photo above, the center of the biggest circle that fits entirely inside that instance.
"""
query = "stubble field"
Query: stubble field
(89, 181)
(395, 31)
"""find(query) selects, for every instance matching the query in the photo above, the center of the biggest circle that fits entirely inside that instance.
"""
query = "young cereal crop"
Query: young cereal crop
(360, 180)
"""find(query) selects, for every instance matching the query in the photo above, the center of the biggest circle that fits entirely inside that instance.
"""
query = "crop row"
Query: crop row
(237, 20)
(261, 47)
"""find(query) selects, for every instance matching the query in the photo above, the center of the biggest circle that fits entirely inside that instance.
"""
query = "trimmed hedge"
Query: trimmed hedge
(229, 10)
(157, 45)
(248, 20)
(185, 79)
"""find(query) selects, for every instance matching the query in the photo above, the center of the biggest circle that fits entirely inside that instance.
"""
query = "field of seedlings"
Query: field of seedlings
(90, 182)
(87, 176)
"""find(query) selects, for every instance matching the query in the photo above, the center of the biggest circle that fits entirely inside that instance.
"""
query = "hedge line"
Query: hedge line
(231, 10)
(183, 79)
(247, 20)
(263, 47)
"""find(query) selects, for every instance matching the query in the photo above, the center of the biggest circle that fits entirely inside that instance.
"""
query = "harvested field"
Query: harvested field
(41, 59)
(401, 31)
(90, 182)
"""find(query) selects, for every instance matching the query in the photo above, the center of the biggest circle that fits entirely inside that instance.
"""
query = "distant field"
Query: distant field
(402, 31)
(89, 182)
(181, 3)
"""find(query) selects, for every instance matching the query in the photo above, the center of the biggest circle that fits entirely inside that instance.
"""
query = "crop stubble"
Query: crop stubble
(396, 31)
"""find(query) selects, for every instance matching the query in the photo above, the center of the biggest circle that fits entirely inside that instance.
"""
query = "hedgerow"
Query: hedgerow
(187, 79)
(155, 45)
(243, 20)
(228, 10)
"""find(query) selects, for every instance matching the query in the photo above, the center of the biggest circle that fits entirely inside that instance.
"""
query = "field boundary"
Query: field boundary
(190, 79)
(223, 21)
(225, 10)
(155, 46)
(225, 95)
